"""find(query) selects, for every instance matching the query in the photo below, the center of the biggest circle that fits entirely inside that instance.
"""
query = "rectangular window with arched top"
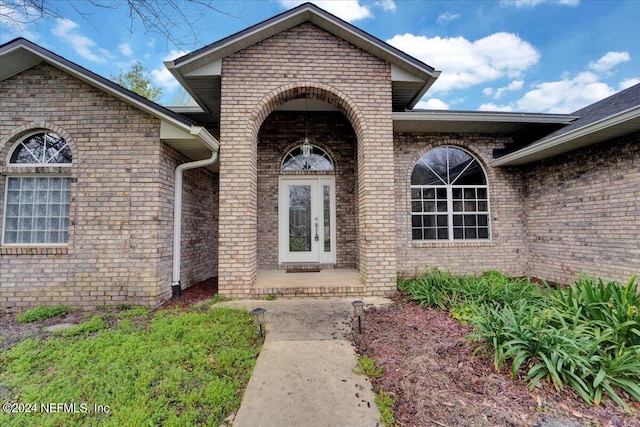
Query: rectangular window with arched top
(449, 197)
(36, 206)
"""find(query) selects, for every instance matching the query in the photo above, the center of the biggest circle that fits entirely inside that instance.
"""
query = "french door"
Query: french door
(306, 219)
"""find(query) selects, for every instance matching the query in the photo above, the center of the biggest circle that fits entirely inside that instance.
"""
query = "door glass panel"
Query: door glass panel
(326, 207)
(300, 218)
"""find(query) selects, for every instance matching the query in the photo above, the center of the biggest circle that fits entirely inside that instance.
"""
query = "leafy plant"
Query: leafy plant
(586, 336)
(385, 402)
(367, 366)
(41, 313)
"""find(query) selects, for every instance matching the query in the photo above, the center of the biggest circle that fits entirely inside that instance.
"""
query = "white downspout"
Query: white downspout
(176, 288)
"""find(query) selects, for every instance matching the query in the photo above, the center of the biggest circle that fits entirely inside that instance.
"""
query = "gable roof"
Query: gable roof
(199, 71)
(609, 118)
(177, 130)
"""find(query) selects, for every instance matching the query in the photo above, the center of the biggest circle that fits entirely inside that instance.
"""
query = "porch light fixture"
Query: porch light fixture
(306, 148)
(258, 318)
(358, 311)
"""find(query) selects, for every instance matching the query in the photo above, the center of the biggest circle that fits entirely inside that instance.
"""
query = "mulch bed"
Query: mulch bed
(199, 292)
(429, 367)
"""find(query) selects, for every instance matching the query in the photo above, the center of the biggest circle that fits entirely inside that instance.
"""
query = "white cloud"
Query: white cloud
(533, 3)
(511, 87)
(349, 10)
(163, 77)
(447, 17)
(566, 95)
(608, 61)
(125, 49)
(387, 5)
(488, 91)
(625, 84)
(493, 107)
(432, 104)
(17, 16)
(465, 63)
(574, 92)
(65, 29)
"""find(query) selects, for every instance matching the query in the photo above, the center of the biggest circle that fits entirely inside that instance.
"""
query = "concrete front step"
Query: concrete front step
(325, 283)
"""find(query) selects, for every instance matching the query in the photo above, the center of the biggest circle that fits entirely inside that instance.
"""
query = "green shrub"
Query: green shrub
(586, 336)
(41, 313)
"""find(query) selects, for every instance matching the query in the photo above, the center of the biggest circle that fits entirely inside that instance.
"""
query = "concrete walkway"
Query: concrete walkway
(304, 375)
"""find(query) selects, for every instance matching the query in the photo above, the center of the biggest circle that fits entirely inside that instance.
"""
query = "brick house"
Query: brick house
(322, 163)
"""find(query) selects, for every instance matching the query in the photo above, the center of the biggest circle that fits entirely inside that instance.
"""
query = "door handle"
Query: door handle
(317, 237)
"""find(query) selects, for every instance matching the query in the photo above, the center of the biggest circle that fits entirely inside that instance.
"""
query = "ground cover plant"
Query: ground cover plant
(41, 313)
(136, 367)
(586, 336)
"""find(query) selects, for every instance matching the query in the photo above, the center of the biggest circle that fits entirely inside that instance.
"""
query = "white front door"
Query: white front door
(306, 218)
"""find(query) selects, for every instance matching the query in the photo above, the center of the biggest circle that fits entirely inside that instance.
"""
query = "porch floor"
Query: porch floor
(325, 283)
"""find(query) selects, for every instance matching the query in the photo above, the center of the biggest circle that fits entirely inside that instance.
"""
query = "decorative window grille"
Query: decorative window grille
(449, 197)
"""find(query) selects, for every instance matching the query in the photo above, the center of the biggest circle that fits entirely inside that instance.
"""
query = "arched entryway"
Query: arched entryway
(252, 177)
(301, 197)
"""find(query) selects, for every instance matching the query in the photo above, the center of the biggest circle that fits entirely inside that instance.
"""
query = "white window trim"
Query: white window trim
(450, 213)
(40, 165)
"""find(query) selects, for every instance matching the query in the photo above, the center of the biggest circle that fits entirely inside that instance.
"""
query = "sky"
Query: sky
(539, 56)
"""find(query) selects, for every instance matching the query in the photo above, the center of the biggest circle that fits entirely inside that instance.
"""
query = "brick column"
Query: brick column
(376, 228)
(238, 206)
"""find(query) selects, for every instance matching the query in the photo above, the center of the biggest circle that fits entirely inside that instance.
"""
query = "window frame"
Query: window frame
(35, 170)
(20, 142)
(450, 213)
(323, 153)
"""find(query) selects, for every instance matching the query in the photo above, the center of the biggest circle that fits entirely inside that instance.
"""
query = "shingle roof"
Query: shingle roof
(605, 120)
(602, 109)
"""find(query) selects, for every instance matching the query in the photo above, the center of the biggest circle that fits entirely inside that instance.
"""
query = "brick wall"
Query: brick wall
(506, 251)
(199, 249)
(583, 211)
(283, 131)
(305, 61)
(120, 212)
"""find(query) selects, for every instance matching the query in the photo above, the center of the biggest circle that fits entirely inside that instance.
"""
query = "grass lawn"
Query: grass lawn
(172, 368)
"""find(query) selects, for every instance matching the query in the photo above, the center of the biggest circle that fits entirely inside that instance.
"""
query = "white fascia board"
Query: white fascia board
(535, 149)
(473, 116)
(170, 132)
(400, 75)
(212, 69)
(171, 66)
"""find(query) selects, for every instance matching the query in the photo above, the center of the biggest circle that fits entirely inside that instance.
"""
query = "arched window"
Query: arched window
(43, 148)
(307, 157)
(36, 209)
(449, 197)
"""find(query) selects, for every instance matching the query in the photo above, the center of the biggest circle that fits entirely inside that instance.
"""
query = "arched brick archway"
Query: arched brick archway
(238, 232)
(309, 90)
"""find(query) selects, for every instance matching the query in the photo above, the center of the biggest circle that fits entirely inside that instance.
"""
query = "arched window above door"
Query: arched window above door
(307, 157)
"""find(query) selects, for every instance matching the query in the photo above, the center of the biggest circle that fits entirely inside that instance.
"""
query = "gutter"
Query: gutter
(537, 150)
(214, 146)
